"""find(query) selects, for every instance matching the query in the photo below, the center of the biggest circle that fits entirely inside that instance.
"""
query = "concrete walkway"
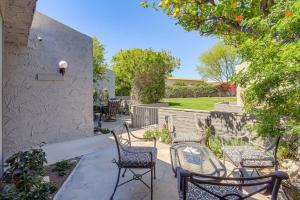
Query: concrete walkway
(95, 176)
(76, 148)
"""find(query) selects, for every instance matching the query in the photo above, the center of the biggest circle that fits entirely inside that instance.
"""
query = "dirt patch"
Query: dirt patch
(58, 173)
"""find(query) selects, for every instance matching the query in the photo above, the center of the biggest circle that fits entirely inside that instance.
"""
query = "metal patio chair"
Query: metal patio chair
(252, 155)
(180, 134)
(111, 110)
(134, 157)
(193, 186)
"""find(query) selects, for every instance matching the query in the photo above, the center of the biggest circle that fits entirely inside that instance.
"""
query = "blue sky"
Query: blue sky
(124, 24)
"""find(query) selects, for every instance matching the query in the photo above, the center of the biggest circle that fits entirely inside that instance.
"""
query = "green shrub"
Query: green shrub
(62, 167)
(150, 134)
(158, 134)
(180, 84)
(24, 177)
(215, 145)
(165, 136)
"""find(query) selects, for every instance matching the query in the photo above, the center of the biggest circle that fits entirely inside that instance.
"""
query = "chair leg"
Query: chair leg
(154, 172)
(151, 187)
(124, 172)
(117, 183)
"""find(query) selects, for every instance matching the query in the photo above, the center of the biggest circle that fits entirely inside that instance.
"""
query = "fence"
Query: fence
(145, 115)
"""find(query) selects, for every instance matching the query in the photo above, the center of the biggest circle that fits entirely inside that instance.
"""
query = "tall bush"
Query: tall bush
(99, 65)
(143, 73)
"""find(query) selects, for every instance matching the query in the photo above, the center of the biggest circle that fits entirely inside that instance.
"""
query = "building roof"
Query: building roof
(17, 17)
(185, 79)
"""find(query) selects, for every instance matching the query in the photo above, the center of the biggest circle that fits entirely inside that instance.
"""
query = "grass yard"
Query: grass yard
(203, 103)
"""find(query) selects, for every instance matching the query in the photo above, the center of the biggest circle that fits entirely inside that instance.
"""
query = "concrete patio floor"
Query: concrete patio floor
(95, 176)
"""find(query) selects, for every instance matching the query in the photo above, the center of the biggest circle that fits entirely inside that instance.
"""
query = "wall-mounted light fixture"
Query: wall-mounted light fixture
(62, 67)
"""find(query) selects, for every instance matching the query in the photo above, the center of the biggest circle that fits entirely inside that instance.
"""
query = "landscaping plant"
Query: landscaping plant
(218, 63)
(162, 135)
(62, 167)
(141, 73)
(23, 178)
(99, 65)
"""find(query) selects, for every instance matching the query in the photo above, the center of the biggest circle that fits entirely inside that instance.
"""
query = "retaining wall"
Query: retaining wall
(186, 120)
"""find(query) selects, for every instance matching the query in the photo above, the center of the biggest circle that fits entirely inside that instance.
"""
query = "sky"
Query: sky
(125, 24)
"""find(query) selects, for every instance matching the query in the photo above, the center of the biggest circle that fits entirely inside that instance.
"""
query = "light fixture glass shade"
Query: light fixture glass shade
(63, 64)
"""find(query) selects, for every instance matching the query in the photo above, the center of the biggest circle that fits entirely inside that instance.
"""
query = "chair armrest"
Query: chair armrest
(145, 139)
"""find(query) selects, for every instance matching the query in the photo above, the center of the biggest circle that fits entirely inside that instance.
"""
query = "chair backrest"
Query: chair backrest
(122, 138)
(113, 107)
(229, 188)
(274, 148)
(183, 128)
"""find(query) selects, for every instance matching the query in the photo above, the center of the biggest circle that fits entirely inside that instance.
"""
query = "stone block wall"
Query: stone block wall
(50, 111)
(188, 121)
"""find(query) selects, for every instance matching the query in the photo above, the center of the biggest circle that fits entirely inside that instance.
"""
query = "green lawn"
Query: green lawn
(203, 103)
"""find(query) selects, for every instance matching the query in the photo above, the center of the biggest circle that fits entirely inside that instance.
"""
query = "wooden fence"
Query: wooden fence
(142, 116)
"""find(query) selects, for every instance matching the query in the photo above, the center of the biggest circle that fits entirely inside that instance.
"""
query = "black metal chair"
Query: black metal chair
(252, 156)
(134, 157)
(193, 186)
(111, 110)
(178, 134)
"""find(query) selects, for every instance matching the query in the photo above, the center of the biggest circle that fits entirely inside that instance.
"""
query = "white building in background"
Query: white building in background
(239, 89)
(107, 83)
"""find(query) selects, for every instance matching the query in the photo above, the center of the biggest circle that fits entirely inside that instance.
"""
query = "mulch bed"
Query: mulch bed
(54, 176)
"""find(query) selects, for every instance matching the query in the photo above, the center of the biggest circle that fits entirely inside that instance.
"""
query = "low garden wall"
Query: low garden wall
(186, 120)
(228, 107)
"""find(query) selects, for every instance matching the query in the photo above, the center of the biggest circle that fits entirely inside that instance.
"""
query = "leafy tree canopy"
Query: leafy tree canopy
(99, 66)
(142, 73)
(218, 63)
(266, 33)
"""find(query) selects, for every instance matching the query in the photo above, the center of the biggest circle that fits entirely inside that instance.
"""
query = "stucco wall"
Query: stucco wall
(108, 82)
(1, 54)
(47, 111)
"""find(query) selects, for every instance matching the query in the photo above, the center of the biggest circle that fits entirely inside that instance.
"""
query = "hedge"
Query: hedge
(200, 90)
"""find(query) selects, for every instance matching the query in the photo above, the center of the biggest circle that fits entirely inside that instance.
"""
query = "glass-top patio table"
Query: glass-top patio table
(196, 158)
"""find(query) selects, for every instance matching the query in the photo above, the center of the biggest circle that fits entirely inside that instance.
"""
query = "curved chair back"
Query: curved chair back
(219, 188)
(183, 129)
(113, 107)
(122, 138)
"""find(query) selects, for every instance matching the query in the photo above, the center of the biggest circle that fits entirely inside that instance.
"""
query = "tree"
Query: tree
(266, 34)
(99, 65)
(142, 73)
(218, 63)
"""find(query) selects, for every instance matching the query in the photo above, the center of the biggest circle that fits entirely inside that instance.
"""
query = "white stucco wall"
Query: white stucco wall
(47, 111)
(108, 82)
(1, 53)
